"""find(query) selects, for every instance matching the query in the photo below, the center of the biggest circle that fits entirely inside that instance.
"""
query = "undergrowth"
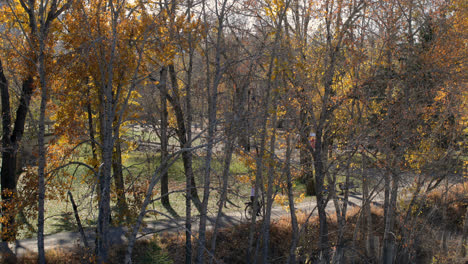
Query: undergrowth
(424, 241)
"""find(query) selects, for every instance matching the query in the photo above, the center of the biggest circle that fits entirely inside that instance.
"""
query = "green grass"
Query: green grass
(140, 166)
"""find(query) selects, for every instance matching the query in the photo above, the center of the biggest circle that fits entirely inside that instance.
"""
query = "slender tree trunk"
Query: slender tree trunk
(164, 143)
(341, 216)
(251, 258)
(212, 122)
(107, 117)
(320, 153)
(389, 247)
(119, 182)
(387, 189)
(102, 241)
(78, 221)
(233, 131)
(42, 149)
(191, 193)
(271, 174)
(464, 239)
(91, 132)
(445, 224)
(182, 135)
(367, 216)
(294, 224)
(306, 157)
(229, 149)
(319, 166)
(263, 133)
(155, 178)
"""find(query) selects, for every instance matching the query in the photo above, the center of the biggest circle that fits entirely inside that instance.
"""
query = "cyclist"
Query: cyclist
(252, 193)
(252, 198)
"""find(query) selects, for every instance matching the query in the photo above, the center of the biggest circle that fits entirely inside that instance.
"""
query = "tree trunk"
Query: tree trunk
(212, 122)
(92, 138)
(305, 157)
(271, 174)
(42, 148)
(122, 206)
(191, 193)
(148, 198)
(229, 149)
(294, 224)
(263, 133)
(78, 221)
(102, 241)
(463, 242)
(324, 244)
(389, 247)
(165, 201)
(106, 118)
(182, 135)
(367, 216)
(445, 224)
(338, 256)
(10, 145)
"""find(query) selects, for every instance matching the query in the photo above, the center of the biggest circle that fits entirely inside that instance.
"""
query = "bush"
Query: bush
(144, 252)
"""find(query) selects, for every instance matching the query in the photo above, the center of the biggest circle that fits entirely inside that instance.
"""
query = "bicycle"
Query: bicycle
(249, 210)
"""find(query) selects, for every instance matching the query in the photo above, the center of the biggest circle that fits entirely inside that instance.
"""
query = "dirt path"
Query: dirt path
(68, 240)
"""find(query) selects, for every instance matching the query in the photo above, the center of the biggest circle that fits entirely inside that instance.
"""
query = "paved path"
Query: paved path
(68, 240)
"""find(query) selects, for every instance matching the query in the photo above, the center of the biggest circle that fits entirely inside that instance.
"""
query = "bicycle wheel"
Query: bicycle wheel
(248, 211)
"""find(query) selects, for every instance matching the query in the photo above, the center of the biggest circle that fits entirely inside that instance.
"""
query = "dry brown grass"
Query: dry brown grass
(59, 256)
(455, 203)
(232, 242)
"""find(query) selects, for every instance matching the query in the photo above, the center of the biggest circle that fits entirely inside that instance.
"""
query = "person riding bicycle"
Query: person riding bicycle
(252, 193)
(252, 198)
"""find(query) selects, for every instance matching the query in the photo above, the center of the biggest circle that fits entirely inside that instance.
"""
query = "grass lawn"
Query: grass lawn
(139, 168)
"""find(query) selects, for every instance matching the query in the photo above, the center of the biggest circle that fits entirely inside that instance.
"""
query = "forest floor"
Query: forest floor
(69, 240)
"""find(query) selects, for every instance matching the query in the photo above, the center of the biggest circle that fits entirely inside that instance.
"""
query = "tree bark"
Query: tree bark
(306, 157)
(263, 134)
(229, 149)
(164, 143)
(319, 168)
(367, 216)
(148, 198)
(42, 148)
(182, 135)
(294, 224)
(78, 221)
(91, 132)
(339, 255)
(119, 182)
(212, 122)
(10, 146)
(104, 177)
(463, 242)
(389, 247)
(271, 175)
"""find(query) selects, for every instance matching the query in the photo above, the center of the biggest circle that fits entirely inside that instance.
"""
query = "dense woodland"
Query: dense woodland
(122, 113)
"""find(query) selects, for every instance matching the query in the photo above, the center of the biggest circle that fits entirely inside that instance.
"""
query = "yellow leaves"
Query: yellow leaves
(465, 168)
(273, 8)
(244, 178)
(300, 199)
(283, 200)
(248, 159)
(12, 14)
(172, 120)
(441, 95)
